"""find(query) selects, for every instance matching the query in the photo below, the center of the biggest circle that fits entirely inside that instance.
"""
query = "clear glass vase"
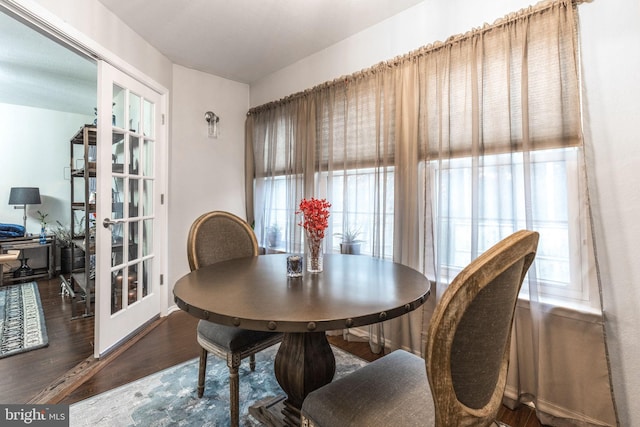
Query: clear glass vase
(314, 255)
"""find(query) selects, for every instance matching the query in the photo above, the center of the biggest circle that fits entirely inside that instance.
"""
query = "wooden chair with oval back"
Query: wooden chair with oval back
(466, 355)
(214, 237)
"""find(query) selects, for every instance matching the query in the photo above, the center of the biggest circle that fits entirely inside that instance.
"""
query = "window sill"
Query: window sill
(567, 310)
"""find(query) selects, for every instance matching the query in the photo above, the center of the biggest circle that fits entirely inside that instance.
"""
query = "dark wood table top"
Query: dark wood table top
(255, 293)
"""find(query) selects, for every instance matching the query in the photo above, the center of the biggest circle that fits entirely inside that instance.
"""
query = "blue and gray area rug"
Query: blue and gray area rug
(22, 325)
(168, 398)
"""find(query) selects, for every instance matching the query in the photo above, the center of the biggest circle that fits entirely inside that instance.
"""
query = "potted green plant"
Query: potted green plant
(64, 242)
(273, 235)
(349, 242)
(63, 235)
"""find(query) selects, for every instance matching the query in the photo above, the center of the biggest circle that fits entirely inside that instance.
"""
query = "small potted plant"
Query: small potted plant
(42, 217)
(63, 235)
(64, 242)
(349, 242)
(273, 235)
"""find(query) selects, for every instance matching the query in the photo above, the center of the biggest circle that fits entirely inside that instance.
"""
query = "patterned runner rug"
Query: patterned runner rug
(22, 325)
(169, 398)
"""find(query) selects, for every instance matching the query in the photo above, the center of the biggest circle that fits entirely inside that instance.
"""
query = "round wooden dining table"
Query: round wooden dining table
(255, 293)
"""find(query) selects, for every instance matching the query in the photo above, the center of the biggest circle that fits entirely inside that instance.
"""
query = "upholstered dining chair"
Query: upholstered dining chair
(466, 355)
(214, 237)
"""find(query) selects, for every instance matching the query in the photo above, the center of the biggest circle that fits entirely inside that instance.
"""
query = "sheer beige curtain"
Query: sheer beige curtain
(501, 148)
(441, 153)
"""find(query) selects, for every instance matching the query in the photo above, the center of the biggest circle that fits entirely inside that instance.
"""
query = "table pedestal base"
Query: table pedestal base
(269, 411)
(304, 363)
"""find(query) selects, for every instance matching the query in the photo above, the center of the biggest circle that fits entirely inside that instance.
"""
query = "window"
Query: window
(354, 206)
(357, 205)
(505, 203)
(491, 119)
(275, 231)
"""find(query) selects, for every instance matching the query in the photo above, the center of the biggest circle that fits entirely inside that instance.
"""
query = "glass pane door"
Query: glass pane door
(129, 275)
(132, 172)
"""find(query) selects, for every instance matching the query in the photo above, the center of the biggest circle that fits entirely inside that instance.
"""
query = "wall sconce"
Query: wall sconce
(212, 124)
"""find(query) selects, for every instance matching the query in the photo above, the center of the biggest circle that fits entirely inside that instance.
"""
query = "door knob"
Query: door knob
(108, 221)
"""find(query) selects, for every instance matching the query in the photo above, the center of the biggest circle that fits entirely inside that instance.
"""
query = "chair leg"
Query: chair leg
(252, 362)
(201, 371)
(234, 389)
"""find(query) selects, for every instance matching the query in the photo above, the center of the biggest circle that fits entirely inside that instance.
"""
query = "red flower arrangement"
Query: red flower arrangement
(315, 217)
(315, 220)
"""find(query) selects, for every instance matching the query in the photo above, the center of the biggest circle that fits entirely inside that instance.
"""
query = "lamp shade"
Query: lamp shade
(24, 196)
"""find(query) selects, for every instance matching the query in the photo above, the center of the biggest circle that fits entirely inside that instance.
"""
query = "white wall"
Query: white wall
(206, 174)
(610, 40)
(34, 148)
(611, 65)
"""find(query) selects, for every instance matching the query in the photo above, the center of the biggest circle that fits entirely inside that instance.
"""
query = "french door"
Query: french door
(129, 207)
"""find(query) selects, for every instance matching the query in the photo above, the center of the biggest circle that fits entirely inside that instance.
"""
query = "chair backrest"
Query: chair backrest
(467, 351)
(219, 236)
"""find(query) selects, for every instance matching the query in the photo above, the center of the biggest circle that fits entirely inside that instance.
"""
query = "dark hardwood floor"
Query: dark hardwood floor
(172, 341)
(70, 342)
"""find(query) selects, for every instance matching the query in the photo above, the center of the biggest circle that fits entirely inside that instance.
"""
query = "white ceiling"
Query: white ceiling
(242, 40)
(245, 40)
(36, 71)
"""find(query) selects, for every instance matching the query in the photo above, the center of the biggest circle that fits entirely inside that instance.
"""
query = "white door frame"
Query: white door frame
(139, 130)
(48, 23)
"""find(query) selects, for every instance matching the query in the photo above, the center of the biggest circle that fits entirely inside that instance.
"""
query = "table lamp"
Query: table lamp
(24, 196)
